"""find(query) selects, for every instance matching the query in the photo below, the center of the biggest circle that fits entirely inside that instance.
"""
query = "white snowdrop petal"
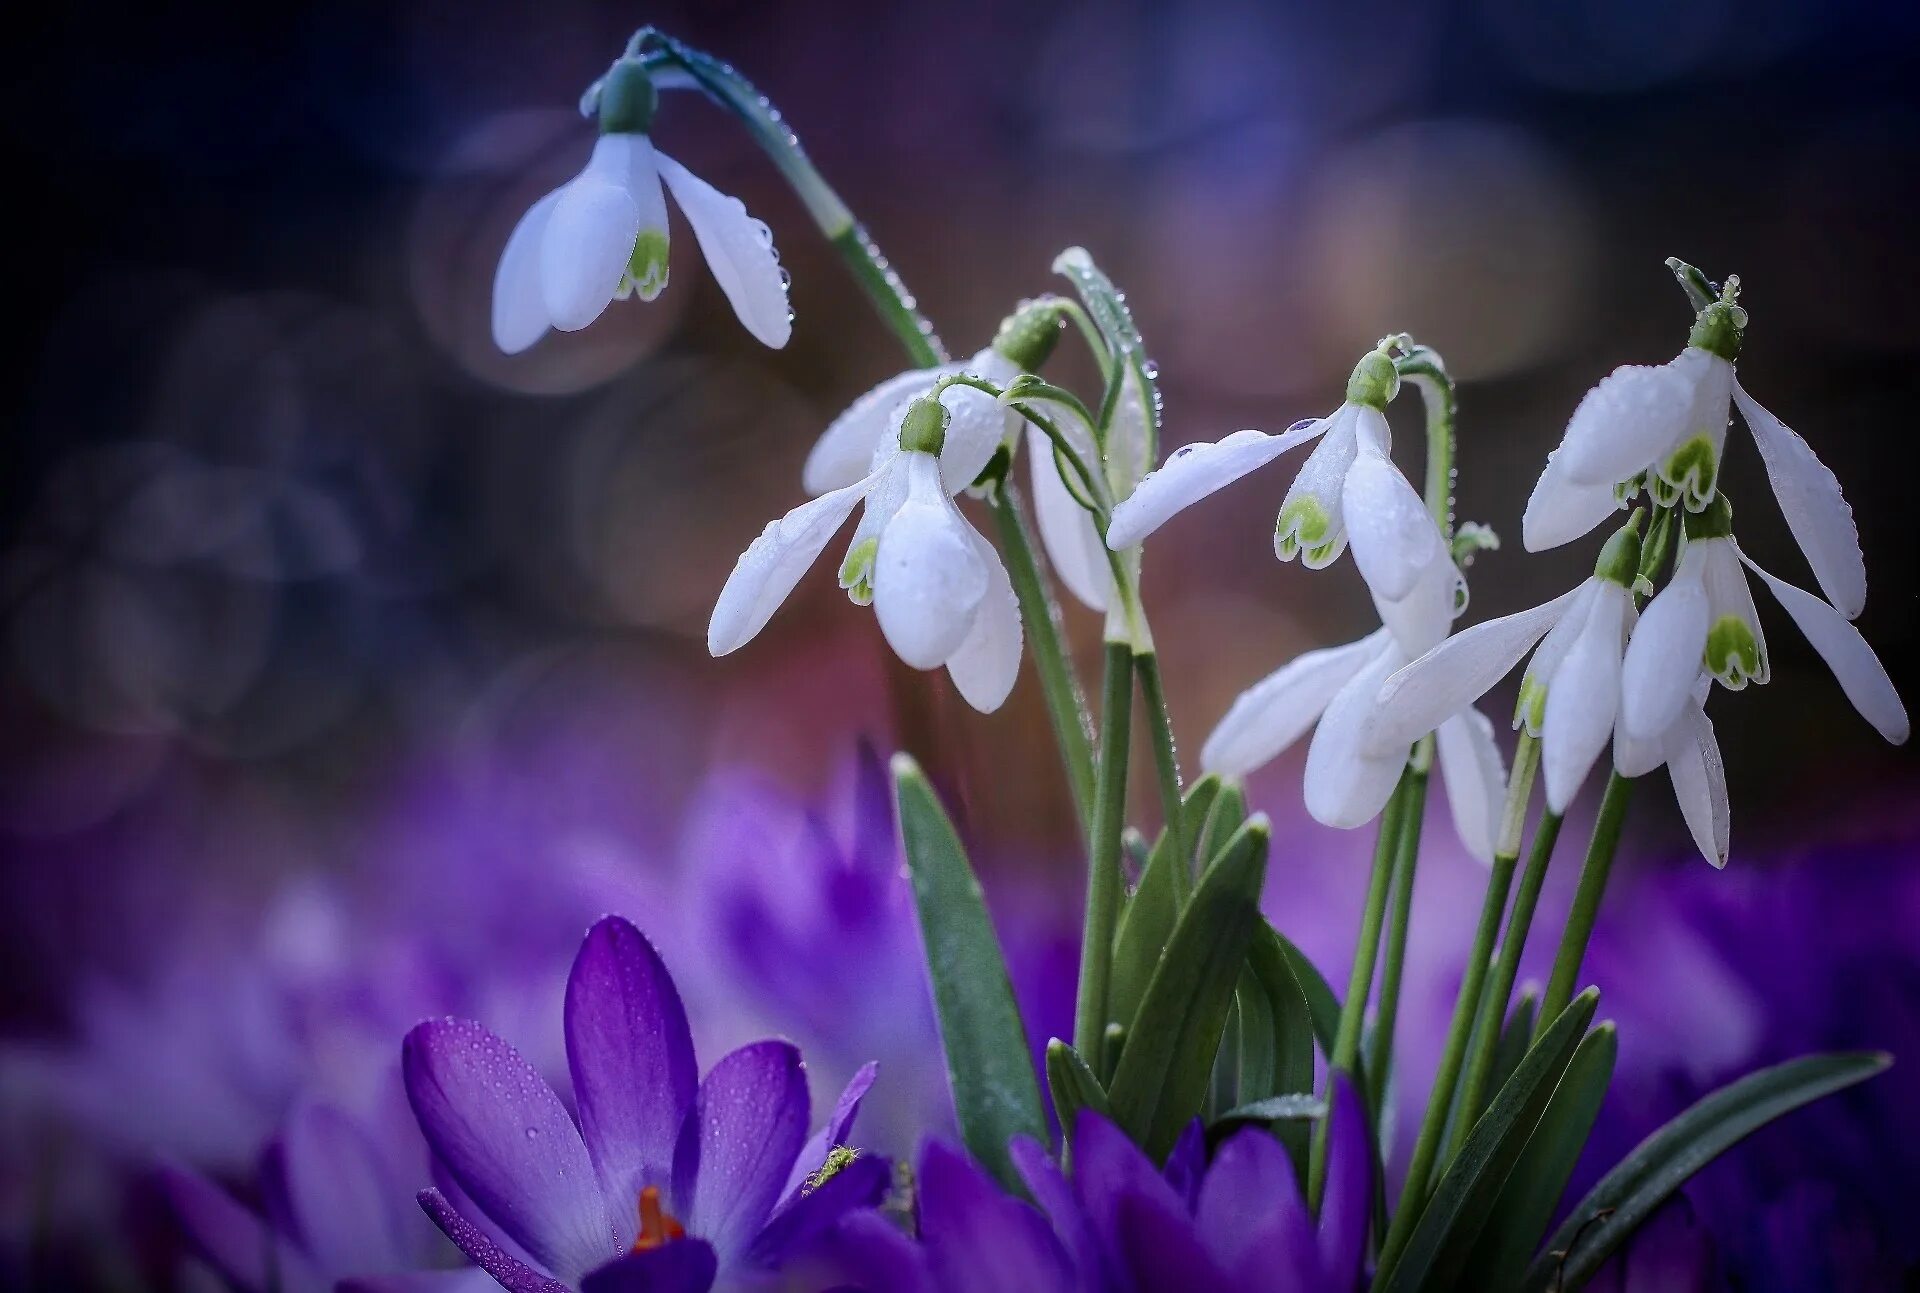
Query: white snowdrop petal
(977, 424)
(1700, 784)
(1559, 511)
(1582, 698)
(1816, 511)
(773, 564)
(1312, 523)
(584, 251)
(844, 452)
(987, 663)
(1855, 667)
(1663, 657)
(1475, 777)
(1067, 530)
(1393, 536)
(738, 250)
(1633, 757)
(519, 307)
(1278, 710)
(1632, 417)
(1345, 786)
(1423, 618)
(1192, 473)
(1447, 679)
(928, 580)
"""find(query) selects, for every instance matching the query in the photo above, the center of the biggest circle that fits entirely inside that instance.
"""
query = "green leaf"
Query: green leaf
(1110, 314)
(1219, 821)
(1162, 1078)
(1279, 1114)
(1662, 1162)
(1150, 913)
(1514, 1039)
(1533, 1189)
(1461, 1203)
(995, 1093)
(1290, 1016)
(1073, 1085)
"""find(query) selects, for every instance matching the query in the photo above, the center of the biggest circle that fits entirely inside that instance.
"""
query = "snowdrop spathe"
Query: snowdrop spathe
(938, 588)
(1667, 423)
(602, 236)
(1348, 781)
(1347, 492)
(1703, 623)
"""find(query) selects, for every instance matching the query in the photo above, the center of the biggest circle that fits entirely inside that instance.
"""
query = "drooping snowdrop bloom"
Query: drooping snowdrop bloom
(602, 236)
(938, 587)
(1704, 621)
(1570, 694)
(664, 1181)
(1668, 424)
(1332, 691)
(1347, 492)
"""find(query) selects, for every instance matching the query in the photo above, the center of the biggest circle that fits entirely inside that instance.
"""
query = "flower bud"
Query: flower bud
(1375, 381)
(924, 428)
(1028, 335)
(1619, 561)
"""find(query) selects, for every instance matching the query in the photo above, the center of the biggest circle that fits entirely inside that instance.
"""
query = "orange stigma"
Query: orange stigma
(657, 1226)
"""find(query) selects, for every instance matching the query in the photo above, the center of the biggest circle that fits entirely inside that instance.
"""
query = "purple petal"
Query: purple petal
(747, 1124)
(1187, 1163)
(1056, 1198)
(338, 1194)
(1252, 1217)
(232, 1239)
(979, 1240)
(681, 1266)
(1107, 1167)
(1163, 1252)
(867, 1251)
(509, 1271)
(507, 1141)
(814, 1155)
(1345, 1208)
(860, 1184)
(467, 1279)
(631, 1056)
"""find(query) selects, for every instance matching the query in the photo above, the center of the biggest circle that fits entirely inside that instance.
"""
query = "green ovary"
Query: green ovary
(647, 266)
(1532, 706)
(1690, 470)
(1733, 653)
(1304, 524)
(856, 572)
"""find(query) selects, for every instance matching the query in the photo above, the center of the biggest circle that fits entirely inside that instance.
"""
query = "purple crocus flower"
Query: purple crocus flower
(1237, 1224)
(665, 1185)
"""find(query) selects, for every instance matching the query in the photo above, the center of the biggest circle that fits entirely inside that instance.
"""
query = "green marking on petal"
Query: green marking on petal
(856, 572)
(1303, 523)
(1690, 471)
(1532, 707)
(1733, 654)
(647, 266)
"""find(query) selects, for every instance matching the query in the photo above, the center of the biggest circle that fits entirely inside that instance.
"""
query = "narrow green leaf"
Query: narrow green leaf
(1290, 1015)
(1219, 821)
(1162, 1078)
(1662, 1162)
(1148, 920)
(1453, 1217)
(1532, 1193)
(1323, 1008)
(1073, 1085)
(1274, 1108)
(1108, 308)
(995, 1093)
(1514, 1039)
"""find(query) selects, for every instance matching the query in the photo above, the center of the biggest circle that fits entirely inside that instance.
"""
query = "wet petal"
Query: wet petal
(928, 578)
(1583, 698)
(589, 237)
(520, 315)
(1067, 529)
(1192, 473)
(833, 1132)
(1663, 658)
(1816, 510)
(1475, 777)
(1700, 784)
(1560, 511)
(739, 252)
(746, 1126)
(1346, 786)
(1282, 707)
(1632, 417)
(987, 662)
(482, 1250)
(772, 564)
(844, 451)
(1394, 537)
(1855, 667)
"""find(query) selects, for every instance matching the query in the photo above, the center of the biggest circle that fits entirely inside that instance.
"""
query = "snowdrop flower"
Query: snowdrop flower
(1025, 340)
(1704, 620)
(602, 236)
(938, 587)
(1348, 490)
(1670, 422)
(1570, 693)
(1347, 781)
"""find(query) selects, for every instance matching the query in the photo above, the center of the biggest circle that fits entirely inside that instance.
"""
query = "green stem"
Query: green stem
(1066, 705)
(1493, 1006)
(1353, 1008)
(1103, 856)
(1406, 859)
(1433, 1124)
(1166, 764)
(1424, 368)
(1586, 900)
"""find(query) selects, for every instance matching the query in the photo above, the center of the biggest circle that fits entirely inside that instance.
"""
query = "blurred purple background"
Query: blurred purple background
(347, 667)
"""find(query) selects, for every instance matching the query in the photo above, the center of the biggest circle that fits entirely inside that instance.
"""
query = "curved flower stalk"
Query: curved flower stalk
(1347, 492)
(336, 1217)
(1667, 425)
(665, 1183)
(602, 236)
(1239, 1223)
(1569, 695)
(1703, 625)
(1349, 778)
(938, 587)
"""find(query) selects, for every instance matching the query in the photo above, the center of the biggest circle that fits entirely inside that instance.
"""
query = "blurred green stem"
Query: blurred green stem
(1103, 857)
